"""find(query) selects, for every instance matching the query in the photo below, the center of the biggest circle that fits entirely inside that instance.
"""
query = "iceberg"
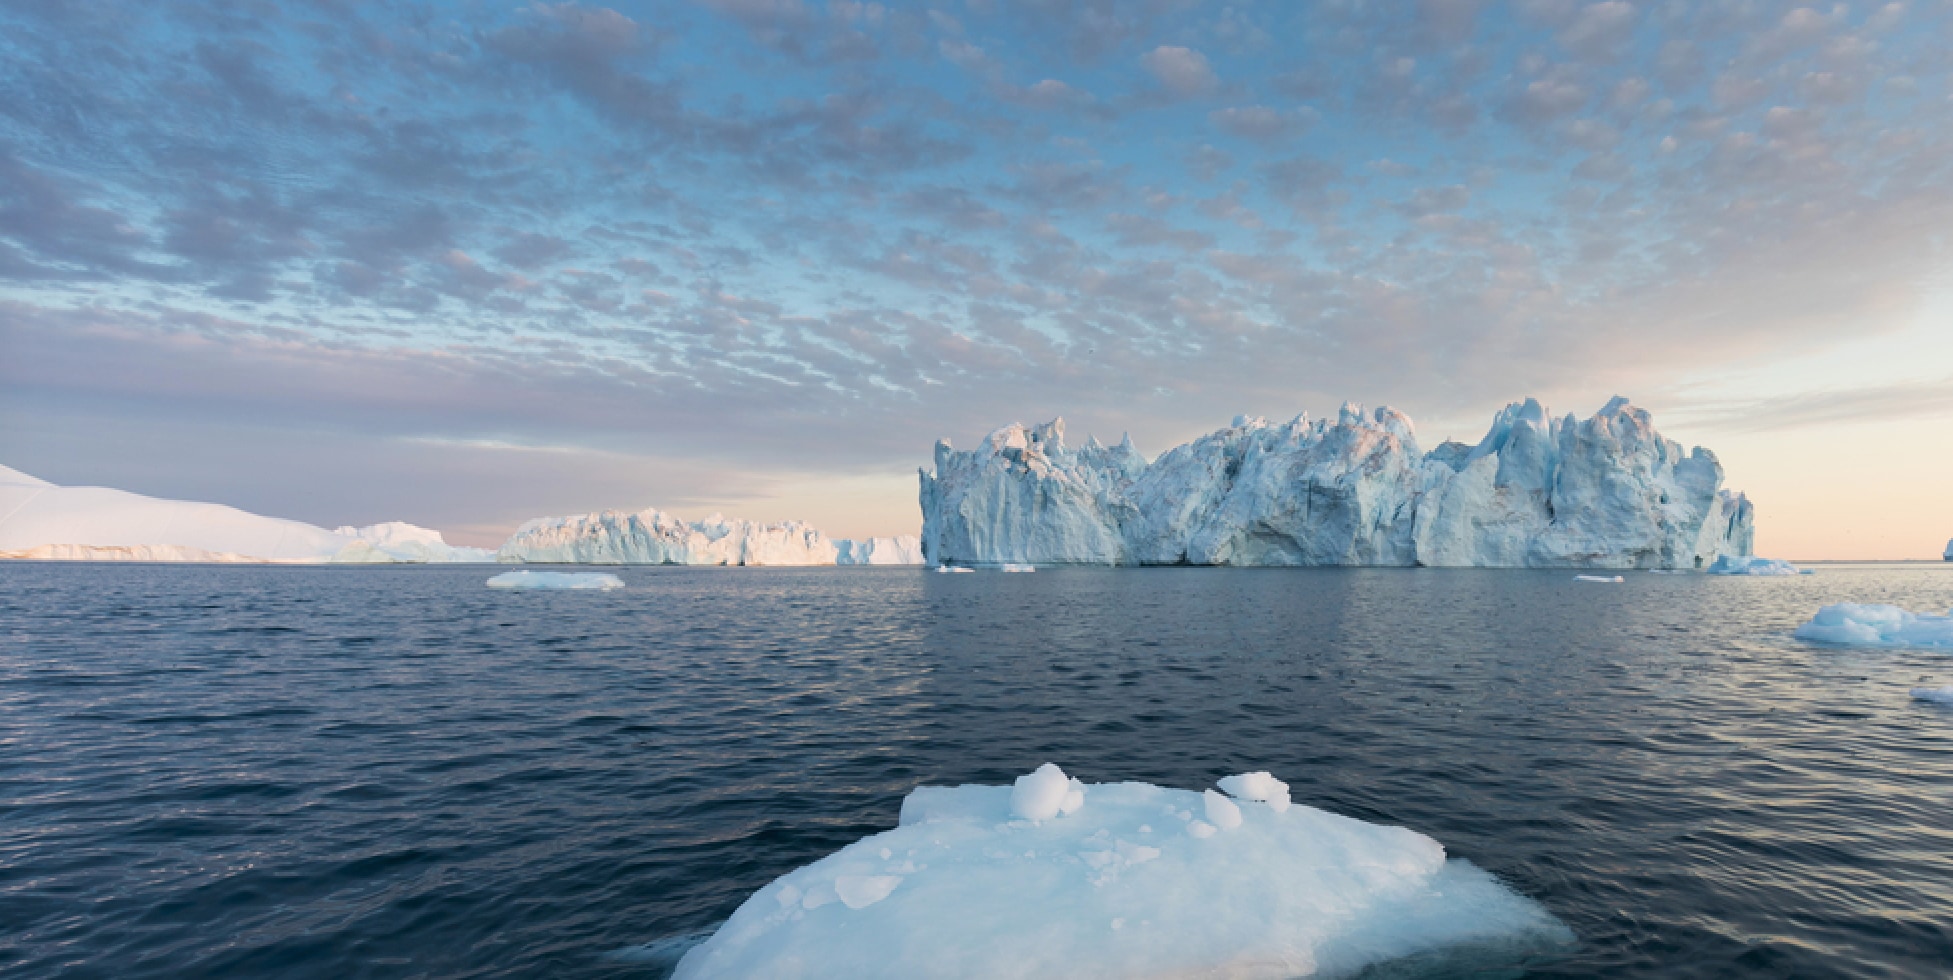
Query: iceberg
(1877, 625)
(904, 549)
(1053, 877)
(653, 537)
(1937, 695)
(1949, 551)
(555, 580)
(42, 521)
(1536, 491)
(1751, 565)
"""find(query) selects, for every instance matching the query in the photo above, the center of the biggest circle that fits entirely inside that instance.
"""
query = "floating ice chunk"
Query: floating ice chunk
(1599, 578)
(1938, 695)
(1221, 811)
(1257, 787)
(1042, 794)
(1749, 565)
(1876, 625)
(1280, 895)
(555, 580)
(1018, 568)
(949, 569)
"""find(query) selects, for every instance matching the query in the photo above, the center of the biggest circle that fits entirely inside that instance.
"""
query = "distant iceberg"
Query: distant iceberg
(1877, 625)
(653, 537)
(555, 580)
(1536, 491)
(1053, 877)
(1751, 565)
(905, 549)
(42, 521)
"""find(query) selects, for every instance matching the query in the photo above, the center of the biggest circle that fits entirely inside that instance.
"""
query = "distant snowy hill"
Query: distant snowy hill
(653, 537)
(39, 520)
(1536, 491)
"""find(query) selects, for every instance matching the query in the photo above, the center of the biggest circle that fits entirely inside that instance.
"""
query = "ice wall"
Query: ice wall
(653, 537)
(1536, 491)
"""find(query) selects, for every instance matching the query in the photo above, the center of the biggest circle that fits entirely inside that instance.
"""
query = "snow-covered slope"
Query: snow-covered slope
(1607, 492)
(653, 537)
(39, 520)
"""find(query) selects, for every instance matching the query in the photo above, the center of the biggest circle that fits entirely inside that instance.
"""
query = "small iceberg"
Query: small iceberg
(952, 569)
(1937, 695)
(555, 580)
(1052, 877)
(1877, 625)
(1749, 565)
(1600, 578)
(1018, 568)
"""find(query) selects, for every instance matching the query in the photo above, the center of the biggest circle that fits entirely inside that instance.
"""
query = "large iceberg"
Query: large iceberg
(39, 520)
(653, 537)
(1052, 877)
(1536, 491)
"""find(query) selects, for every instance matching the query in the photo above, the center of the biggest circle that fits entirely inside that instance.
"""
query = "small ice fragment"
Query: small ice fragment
(1259, 787)
(1200, 829)
(1221, 811)
(1599, 578)
(1040, 795)
(555, 580)
(1876, 625)
(1074, 798)
(1937, 695)
(861, 891)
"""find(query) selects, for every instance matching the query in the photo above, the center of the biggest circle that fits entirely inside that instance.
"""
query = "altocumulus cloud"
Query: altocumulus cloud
(766, 235)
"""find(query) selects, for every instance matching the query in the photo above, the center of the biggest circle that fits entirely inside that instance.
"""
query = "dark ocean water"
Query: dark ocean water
(341, 772)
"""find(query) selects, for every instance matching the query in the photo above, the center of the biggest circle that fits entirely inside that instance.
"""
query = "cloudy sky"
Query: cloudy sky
(464, 264)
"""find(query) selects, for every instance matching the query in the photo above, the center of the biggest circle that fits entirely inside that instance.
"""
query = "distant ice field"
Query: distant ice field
(312, 771)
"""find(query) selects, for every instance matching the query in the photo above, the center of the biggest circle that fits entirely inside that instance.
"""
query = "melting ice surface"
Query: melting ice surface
(1053, 877)
(555, 580)
(1877, 625)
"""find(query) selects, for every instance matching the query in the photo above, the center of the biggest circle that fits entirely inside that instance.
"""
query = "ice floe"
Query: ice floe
(1750, 565)
(555, 580)
(1937, 695)
(1052, 877)
(1877, 625)
(1600, 578)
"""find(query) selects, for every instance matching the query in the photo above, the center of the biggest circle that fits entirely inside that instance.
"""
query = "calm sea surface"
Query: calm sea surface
(341, 772)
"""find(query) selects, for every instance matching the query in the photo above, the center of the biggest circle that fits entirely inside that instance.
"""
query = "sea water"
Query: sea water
(255, 771)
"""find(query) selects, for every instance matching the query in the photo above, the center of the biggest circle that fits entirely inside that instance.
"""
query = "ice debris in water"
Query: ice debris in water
(1600, 578)
(1013, 567)
(555, 580)
(1749, 565)
(1052, 877)
(1877, 625)
(1938, 695)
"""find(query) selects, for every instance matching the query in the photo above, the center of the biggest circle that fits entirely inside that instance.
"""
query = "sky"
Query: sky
(464, 264)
